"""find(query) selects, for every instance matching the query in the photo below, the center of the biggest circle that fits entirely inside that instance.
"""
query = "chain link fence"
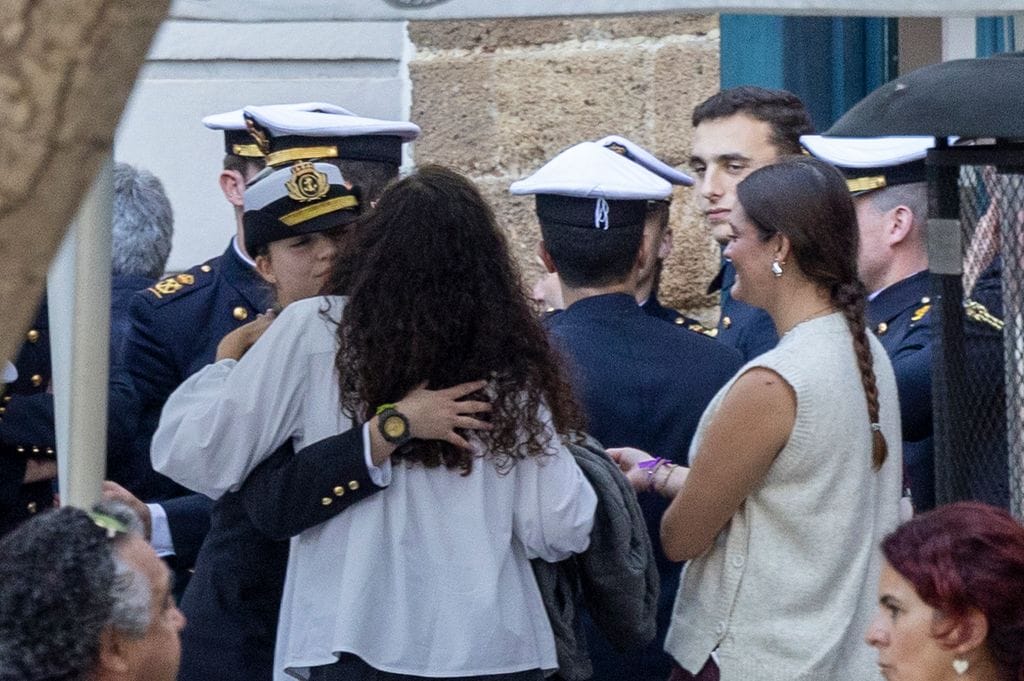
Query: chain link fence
(976, 254)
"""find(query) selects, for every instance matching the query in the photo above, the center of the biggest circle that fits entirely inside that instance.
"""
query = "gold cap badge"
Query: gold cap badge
(307, 183)
(259, 135)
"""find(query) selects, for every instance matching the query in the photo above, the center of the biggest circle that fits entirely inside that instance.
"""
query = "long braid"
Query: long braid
(849, 298)
(808, 202)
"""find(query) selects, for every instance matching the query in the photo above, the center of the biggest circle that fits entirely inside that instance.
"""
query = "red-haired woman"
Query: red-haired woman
(951, 597)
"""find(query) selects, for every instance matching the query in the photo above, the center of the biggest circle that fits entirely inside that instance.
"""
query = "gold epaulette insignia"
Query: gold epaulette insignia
(170, 285)
(977, 312)
(700, 328)
(920, 312)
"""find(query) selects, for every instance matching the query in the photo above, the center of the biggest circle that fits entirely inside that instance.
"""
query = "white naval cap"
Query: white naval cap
(237, 139)
(634, 152)
(871, 163)
(301, 199)
(589, 185)
(289, 135)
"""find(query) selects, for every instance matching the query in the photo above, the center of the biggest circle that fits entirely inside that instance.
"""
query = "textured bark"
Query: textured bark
(67, 68)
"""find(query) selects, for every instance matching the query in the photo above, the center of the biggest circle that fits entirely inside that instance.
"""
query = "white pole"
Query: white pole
(78, 294)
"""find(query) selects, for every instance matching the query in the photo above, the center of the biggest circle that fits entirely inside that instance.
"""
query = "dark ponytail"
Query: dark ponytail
(807, 201)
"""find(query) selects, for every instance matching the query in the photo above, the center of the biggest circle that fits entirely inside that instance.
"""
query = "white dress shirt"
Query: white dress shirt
(430, 577)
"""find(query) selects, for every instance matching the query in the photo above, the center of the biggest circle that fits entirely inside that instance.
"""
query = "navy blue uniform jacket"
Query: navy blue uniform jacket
(27, 417)
(642, 383)
(176, 325)
(900, 315)
(747, 328)
(233, 599)
(653, 307)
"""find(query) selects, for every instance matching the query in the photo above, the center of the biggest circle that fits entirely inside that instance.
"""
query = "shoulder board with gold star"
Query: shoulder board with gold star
(977, 312)
(175, 286)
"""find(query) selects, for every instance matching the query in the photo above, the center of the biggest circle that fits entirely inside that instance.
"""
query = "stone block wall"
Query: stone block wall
(496, 99)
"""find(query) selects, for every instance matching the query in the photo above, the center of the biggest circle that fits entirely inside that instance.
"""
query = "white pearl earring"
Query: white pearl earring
(776, 268)
(960, 666)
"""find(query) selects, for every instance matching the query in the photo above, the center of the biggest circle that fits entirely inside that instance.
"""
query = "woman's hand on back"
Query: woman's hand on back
(436, 414)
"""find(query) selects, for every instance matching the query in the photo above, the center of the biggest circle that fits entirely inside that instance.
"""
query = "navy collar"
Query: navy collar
(604, 304)
(129, 282)
(895, 299)
(244, 278)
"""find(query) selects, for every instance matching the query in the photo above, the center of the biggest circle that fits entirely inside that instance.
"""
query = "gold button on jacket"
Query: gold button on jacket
(240, 313)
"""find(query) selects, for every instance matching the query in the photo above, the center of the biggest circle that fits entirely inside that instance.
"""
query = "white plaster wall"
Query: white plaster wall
(200, 67)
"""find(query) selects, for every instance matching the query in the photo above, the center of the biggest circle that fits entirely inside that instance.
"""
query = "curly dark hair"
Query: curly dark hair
(58, 590)
(435, 296)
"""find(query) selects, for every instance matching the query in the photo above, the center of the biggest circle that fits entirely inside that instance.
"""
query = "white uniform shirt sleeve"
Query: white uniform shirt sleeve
(160, 536)
(380, 475)
(555, 505)
(229, 416)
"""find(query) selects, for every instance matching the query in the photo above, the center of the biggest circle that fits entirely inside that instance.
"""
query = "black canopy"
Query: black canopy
(965, 97)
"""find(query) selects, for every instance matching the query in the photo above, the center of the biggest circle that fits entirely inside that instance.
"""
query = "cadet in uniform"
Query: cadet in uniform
(176, 325)
(887, 179)
(142, 227)
(734, 133)
(641, 382)
(657, 244)
(26, 476)
(233, 599)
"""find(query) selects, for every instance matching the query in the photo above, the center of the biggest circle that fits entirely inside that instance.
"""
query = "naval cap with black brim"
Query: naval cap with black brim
(289, 136)
(634, 152)
(589, 185)
(871, 163)
(301, 199)
(238, 141)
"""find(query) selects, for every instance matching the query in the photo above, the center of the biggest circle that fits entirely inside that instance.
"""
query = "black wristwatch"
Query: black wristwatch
(393, 425)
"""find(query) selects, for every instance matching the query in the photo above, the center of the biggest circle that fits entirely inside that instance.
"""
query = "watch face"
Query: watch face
(394, 426)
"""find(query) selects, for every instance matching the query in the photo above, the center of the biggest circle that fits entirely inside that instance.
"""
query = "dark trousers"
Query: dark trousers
(351, 668)
(708, 673)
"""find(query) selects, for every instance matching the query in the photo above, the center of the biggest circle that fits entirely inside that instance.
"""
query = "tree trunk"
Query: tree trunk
(67, 68)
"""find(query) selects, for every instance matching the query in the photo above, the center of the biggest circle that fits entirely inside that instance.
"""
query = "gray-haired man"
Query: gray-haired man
(84, 596)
